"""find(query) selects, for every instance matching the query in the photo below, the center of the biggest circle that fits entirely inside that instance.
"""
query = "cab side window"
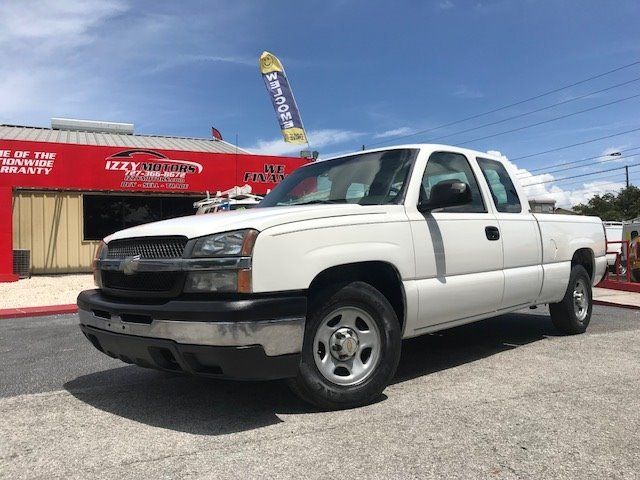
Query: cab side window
(451, 166)
(505, 196)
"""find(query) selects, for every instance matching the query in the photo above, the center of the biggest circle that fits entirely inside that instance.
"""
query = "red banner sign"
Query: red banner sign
(47, 165)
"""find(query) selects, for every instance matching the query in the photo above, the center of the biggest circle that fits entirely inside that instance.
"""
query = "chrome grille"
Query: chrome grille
(150, 247)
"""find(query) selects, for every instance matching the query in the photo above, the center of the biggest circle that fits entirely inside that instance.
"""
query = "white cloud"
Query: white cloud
(43, 41)
(396, 132)
(446, 5)
(182, 60)
(317, 139)
(54, 23)
(100, 59)
(564, 197)
(464, 91)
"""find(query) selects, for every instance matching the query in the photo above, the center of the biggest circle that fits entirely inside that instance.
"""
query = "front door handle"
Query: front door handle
(492, 233)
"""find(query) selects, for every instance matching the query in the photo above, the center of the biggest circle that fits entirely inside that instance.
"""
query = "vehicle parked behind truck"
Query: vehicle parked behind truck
(343, 260)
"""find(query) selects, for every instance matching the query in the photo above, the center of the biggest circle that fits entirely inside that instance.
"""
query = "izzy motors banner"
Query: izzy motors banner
(275, 79)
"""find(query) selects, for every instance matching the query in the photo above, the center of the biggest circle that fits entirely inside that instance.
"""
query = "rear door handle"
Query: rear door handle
(492, 233)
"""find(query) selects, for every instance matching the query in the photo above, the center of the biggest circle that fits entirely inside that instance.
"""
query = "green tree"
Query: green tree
(624, 205)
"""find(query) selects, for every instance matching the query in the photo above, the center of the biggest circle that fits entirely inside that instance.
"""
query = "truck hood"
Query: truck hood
(259, 218)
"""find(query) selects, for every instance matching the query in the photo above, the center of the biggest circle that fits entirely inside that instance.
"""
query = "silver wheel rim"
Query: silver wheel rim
(346, 346)
(581, 300)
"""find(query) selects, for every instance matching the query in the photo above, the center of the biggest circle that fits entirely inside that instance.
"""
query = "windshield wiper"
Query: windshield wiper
(310, 202)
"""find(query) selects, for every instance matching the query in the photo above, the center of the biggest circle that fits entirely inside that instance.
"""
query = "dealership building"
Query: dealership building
(64, 188)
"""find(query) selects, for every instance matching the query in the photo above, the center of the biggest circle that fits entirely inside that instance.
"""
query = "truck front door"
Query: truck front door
(458, 250)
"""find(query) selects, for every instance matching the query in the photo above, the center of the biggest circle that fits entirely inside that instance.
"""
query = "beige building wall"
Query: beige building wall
(49, 224)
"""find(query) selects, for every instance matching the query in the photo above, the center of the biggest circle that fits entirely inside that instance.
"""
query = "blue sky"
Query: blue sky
(361, 71)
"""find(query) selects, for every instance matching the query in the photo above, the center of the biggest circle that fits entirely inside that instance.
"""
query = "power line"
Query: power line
(575, 182)
(583, 191)
(581, 160)
(520, 115)
(545, 182)
(608, 189)
(574, 144)
(582, 175)
(504, 107)
(550, 120)
(612, 159)
(599, 191)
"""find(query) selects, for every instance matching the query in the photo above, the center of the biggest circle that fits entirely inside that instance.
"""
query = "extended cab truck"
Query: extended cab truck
(338, 264)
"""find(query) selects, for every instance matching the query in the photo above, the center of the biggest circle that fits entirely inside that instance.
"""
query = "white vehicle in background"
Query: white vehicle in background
(236, 198)
(343, 260)
(614, 233)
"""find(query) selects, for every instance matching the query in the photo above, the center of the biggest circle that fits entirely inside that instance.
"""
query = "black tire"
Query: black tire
(312, 386)
(635, 275)
(564, 314)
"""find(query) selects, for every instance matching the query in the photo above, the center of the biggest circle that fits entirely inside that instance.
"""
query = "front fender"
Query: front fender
(290, 260)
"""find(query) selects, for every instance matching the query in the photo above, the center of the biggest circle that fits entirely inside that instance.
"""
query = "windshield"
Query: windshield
(375, 178)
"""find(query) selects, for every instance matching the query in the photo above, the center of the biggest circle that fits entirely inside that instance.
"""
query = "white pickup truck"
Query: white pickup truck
(337, 265)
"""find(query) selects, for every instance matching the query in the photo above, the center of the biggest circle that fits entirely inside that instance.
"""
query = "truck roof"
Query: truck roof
(427, 146)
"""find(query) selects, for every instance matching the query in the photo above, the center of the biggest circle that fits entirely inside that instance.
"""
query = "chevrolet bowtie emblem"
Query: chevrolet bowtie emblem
(129, 265)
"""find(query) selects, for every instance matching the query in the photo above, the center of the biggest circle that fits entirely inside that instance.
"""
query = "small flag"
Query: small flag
(215, 133)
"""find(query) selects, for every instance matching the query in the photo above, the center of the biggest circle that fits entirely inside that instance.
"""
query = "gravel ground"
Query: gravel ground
(44, 290)
(505, 398)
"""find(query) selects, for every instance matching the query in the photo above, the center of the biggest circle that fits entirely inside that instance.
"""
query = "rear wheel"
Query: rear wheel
(573, 313)
(635, 275)
(351, 348)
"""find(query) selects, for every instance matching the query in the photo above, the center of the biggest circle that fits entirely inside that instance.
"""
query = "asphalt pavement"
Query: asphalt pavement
(503, 398)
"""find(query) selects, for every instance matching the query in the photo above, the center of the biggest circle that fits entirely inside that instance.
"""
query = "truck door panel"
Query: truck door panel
(458, 268)
(521, 243)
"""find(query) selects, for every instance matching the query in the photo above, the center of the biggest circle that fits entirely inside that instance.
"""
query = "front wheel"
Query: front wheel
(573, 313)
(351, 348)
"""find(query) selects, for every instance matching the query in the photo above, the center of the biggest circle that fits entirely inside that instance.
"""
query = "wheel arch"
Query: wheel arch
(383, 276)
(586, 258)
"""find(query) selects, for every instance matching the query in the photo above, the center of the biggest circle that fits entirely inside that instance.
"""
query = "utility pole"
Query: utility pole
(626, 172)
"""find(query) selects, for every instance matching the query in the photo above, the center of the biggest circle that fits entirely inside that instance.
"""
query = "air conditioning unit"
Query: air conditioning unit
(22, 263)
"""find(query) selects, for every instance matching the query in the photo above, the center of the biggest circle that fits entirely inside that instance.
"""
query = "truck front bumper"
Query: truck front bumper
(250, 338)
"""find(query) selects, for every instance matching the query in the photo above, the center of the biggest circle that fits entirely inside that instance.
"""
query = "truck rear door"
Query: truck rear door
(520, 237)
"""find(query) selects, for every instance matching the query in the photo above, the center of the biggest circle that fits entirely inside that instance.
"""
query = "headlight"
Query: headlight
(101, 252)
(238, 243)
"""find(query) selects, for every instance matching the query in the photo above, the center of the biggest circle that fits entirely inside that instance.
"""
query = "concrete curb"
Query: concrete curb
(613, 304)
(37, 311)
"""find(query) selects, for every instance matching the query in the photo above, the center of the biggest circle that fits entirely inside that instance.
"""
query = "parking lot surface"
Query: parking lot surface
(503, 398)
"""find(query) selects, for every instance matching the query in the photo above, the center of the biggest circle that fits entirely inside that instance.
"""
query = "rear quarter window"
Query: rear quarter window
(504, 193)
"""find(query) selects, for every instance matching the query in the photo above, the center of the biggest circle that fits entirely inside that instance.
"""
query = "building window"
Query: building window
(106, 214)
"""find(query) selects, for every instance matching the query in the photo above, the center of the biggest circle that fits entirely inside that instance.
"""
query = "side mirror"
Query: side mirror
(448, 193)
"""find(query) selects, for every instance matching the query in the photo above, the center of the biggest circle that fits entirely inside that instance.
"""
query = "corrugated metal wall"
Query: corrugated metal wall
(50, 225)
